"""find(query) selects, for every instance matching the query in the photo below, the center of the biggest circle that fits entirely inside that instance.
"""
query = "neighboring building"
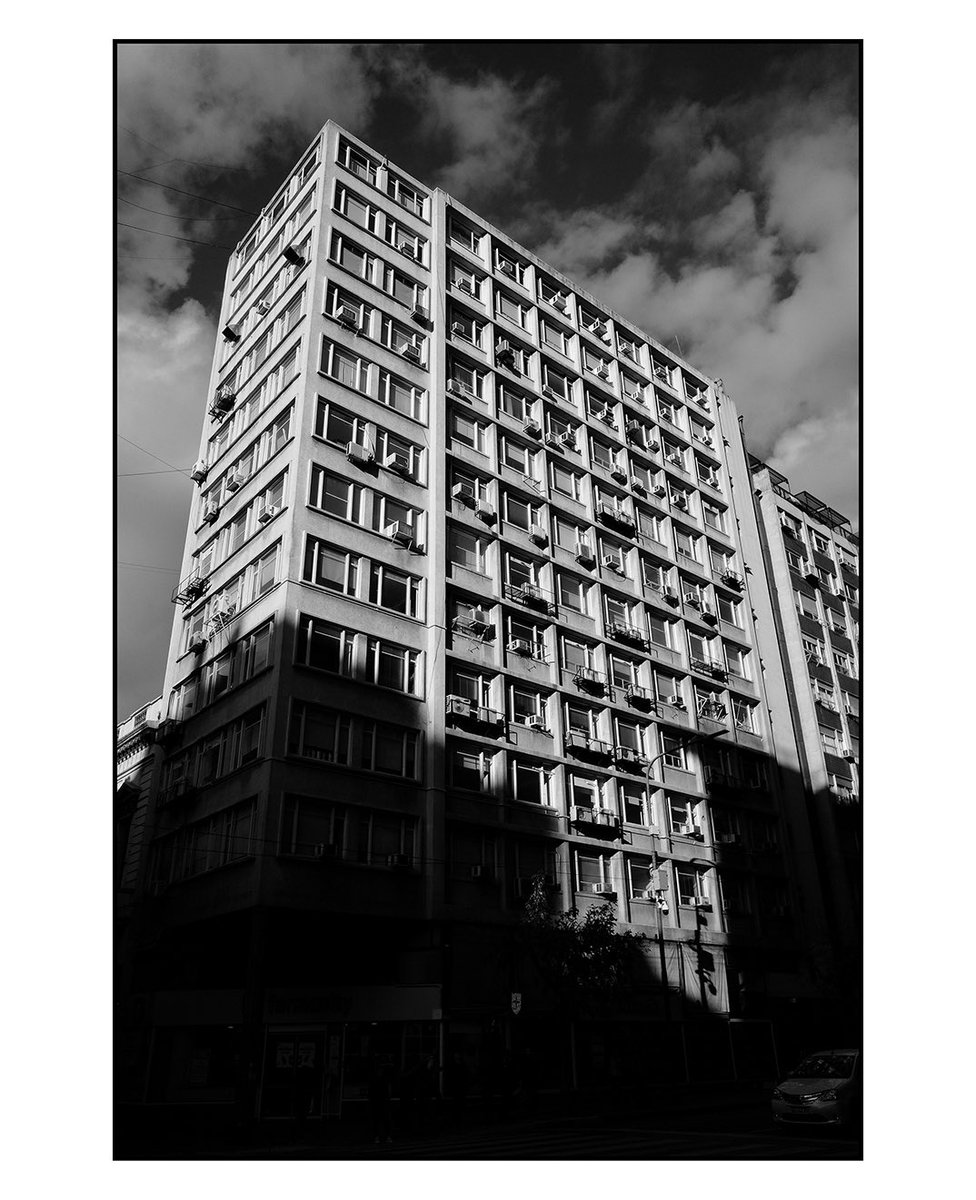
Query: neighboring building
(463, 592)
(813, 561)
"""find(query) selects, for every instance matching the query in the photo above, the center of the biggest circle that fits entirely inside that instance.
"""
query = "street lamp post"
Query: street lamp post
(659, 900)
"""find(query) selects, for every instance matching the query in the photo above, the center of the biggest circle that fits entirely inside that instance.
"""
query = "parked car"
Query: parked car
(825, 1089)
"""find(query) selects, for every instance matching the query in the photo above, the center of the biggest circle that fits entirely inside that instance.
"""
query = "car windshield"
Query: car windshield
(825, 1066)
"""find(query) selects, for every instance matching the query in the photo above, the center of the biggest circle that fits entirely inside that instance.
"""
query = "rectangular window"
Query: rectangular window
(530, 782)
(395, 590)
(567, 482)
(673, 751)
(468, 431)
(319, 733)
(635, 802)
(389, 749)
(344, 367)
(471, 770)
(391, 666)
(329, 567)
(729, 610)
(466, 550)
(571, 592)
(324, 646)
(359, 211)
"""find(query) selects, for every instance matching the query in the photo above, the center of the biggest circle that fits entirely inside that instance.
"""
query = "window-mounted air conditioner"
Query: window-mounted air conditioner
(211, 512)
(234, 481)
(507, 268)
(532, 428)
(407, 248)
(398, 463)
(637, 483)
(263, 307)
(537, 723)
(660, 490)
(418, 312)
(568, 438)
(358, 454)
(401, 533)
(292, 255)
(520, 646)
(268, 513)
(486, 513)
(231, 332)
(583, 553)
(612, 562)
(602, 372)
(692, 599)
(464, 285)
(463, 492)
(618, 472)
(538, 535)
(348, 317)
(198, 472)
(598, 327)
(411, 353)
(551, 393)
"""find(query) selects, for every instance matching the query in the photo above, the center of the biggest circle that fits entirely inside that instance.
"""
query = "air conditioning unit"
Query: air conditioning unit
(234, 481)
(348, 316)
(618, 472)
(629, 395)
(457, 329)
(196, 587)
(668, 596)
(538, 535)
(507, 268)
(456, 388)
(598, 327)
(196, 643)
(520, 646)
(553, 439)
(411, 353)
(727, 839)
(692, 599)
(222, 617)
(485, 513)
(532, 428)
(559, 301)
(198, 472)
(653, 446)
(268, 513)
(418, 312)
(680, 501)
(464, 285)
(660, 490)
(703, 902)
(583, 553)
(602, 372)
(581, 815)
(463, 492)
(292, 255)
(676, 702)
(849, 755)
(401, 533)
(358, 454)
(398, 463)
(675, 459)
(537, 723)
(479, 617)
(263, 307)
(326, 850)
(211, 512)
(398, 860)
(231, 332)
(627, 351)
(612, 563)
(407, 248)
(604, 890)
(708, 616)
(568, 438)
(551, 392)
(460, 706)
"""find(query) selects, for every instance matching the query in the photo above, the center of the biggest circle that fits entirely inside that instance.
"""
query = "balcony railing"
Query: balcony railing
(190, 589)
(589, 680)
(582, 743)
(531, 595)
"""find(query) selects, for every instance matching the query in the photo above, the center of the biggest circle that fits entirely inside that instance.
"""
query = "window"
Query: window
(555, 384)
(465, 236)
(395, 590)
(600, 409)
(468, 431)
(467, 328)
(666, 411)
(352, 258)
(836, 622)
(549, 293)
(568, 483)
(405, 195)
(514, 405)
(530, 782)
(737, 661)
(471, 686)
(467, 550)
(344, 367)
(465, 280)
(391, 666)
(571, 592)
(510, 309)
(654, 574)
(796, 562)
(708, 703)
(320, 733)
(813, 649)
(673, 751)
(593, 873)
(400, 395)
(585, 792)
(530, 635)
(629, 734)
(635, 802)
(378, 839)
(339, 427)
(554, 337)
(357, 162)
(791, 525)
(338, 497)
(473, 487)
(329, 567)
(659, 630)
(845, 664)
(518, 456)
(626, 347)
(729, 610)
(526, 704)
(405, 240)
(820, 543)
(602, 454)
(576, 655)
(706, 474)
(632, 388)
(831, 740)
(324, 646)
(354, 209)
(521, 571)
(389, 749)
(850, 591)
(686, 543)
(714, 516)
(692, 886)
(471, 770)
(507, 264)
(700, 431)
(666, 688)
(388, 444)
(650, 525)
(523, 514)
(744, 714)
(824, 694)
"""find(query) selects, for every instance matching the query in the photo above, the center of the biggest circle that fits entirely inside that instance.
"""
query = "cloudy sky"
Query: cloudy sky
(707, 191)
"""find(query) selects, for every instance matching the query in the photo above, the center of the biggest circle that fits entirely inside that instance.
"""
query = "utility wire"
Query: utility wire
(176, 216)
(171, 471)
(173, 236)
(151, 455)
(147, 567)
(188, 161)
(194, 195)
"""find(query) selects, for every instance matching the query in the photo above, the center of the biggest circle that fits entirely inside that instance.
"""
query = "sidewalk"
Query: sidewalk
(352, 1134)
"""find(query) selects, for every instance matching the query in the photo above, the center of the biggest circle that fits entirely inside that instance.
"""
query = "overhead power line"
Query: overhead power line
(171, 471)
(151, 455)
(176, 216)
(173, 236)
(188, 161)
(181, 192)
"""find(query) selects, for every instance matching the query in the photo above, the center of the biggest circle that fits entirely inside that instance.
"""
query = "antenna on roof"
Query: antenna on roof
(678, 344)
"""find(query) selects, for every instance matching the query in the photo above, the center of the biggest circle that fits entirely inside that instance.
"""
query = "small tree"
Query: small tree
(583, 958)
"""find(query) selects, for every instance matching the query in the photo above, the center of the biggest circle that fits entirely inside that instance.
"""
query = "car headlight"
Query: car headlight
(777, 1094)
(828, 1095)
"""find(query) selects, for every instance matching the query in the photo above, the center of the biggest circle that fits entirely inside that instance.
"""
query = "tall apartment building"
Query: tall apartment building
(465, 602)
(813, 563)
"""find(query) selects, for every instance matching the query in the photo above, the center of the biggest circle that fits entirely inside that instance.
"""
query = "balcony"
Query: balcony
(588, 680)
(463, 711)
(532, 596)
(629, 759)
(224, 399)
(622, 632)
(598, 819)
(582, 744)
(639, 697)
(616, 516)
(191, 588)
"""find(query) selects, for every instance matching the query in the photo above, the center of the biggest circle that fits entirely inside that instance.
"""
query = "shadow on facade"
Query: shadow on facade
(268, 986)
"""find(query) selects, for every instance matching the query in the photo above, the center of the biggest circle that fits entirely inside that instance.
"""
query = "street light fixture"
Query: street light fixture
(660, 902)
